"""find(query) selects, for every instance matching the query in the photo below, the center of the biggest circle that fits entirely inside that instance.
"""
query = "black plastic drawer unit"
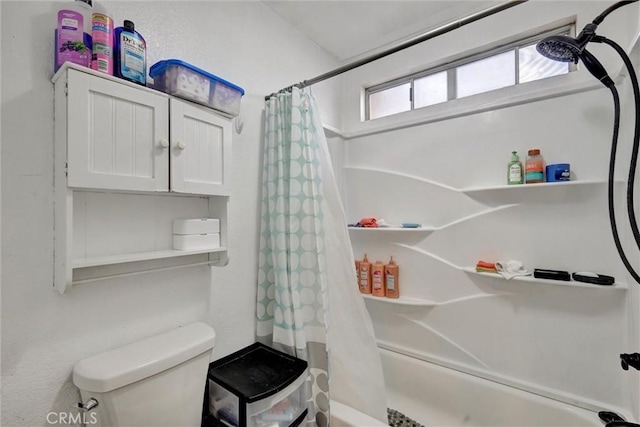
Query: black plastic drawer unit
(258, 386)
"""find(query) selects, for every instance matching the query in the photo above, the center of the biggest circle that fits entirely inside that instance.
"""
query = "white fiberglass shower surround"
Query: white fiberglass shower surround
(457, 344)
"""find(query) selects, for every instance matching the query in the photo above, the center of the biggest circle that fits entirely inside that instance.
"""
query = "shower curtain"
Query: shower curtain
(308, 304)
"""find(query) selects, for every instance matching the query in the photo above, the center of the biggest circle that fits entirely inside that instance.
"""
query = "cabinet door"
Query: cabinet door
(117, 135)
(200, 150)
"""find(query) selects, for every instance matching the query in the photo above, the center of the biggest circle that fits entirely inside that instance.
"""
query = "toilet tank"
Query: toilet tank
(156, 382)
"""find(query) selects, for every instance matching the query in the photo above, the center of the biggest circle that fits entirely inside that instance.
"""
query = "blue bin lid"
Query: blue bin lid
(160, 66)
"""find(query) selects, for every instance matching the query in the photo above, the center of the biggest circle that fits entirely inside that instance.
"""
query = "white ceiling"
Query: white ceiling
(352, 28)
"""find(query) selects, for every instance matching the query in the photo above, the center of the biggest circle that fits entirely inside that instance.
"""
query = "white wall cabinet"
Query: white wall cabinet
(129, 160)
(128, 138)
(201, 148)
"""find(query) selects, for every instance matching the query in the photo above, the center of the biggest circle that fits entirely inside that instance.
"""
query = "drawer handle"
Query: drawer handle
(181, 145)
(164, 143)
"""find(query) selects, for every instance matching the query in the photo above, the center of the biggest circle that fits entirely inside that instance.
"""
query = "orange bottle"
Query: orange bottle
(534, 167)
(392, 284)
(357, 272)
(364, 276)
(377, 279)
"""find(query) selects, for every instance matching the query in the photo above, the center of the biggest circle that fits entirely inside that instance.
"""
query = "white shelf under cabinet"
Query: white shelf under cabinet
(117, 223)
(139, 256)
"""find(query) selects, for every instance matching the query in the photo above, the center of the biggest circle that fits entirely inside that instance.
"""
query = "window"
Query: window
(486, 74)
(430, 90)
(508, 65)
(394, 100)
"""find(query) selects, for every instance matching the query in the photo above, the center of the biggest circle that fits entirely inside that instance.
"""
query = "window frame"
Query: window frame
(451, 66)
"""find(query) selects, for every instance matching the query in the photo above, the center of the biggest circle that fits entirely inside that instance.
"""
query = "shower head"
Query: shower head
(567, 49)
(560, 48)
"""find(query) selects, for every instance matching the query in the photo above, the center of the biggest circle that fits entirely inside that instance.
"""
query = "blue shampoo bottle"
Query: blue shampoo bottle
(130, 60)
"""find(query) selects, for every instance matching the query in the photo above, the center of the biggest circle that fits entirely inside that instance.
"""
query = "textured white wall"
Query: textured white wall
(44, 333)
(560, 341)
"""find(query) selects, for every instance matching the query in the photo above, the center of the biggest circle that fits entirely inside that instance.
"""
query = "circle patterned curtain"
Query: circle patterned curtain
(291, 297)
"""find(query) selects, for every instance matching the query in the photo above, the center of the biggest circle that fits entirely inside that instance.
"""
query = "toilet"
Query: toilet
(159, 381)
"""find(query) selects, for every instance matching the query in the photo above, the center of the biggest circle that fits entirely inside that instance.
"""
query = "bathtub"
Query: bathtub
(436, 396)
(345, 416)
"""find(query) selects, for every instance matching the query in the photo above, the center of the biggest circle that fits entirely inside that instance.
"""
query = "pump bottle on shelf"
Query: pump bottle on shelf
(392, 283)
(377, 279)
(364, 276)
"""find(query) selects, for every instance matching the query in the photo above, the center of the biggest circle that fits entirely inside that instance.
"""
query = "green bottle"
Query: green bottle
(514, 171)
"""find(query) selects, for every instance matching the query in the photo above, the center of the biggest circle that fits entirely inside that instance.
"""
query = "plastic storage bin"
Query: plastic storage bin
(258, 387)
(181, 79)
(196, 234)
(191, 242)
(196, 226)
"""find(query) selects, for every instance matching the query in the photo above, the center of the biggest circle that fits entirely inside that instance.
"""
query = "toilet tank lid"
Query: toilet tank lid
(133, 362)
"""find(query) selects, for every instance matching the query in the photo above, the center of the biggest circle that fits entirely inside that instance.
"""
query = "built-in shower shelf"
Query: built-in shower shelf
(531, 279)
(392, 229)
(408, 301)
(543, 186)
(544, 192)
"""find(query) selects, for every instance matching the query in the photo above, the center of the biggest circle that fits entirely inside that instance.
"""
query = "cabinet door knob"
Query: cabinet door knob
(164, 143)
(181, 145)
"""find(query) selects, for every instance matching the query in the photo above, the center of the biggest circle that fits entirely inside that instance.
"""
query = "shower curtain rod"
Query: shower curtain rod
(406, 44)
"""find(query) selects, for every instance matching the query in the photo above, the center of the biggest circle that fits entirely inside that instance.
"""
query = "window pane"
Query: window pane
(534, 66)
(430, 90)
(389, 101)
(486, 74)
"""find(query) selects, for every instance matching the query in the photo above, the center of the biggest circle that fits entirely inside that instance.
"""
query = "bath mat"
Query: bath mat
(398, 419)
